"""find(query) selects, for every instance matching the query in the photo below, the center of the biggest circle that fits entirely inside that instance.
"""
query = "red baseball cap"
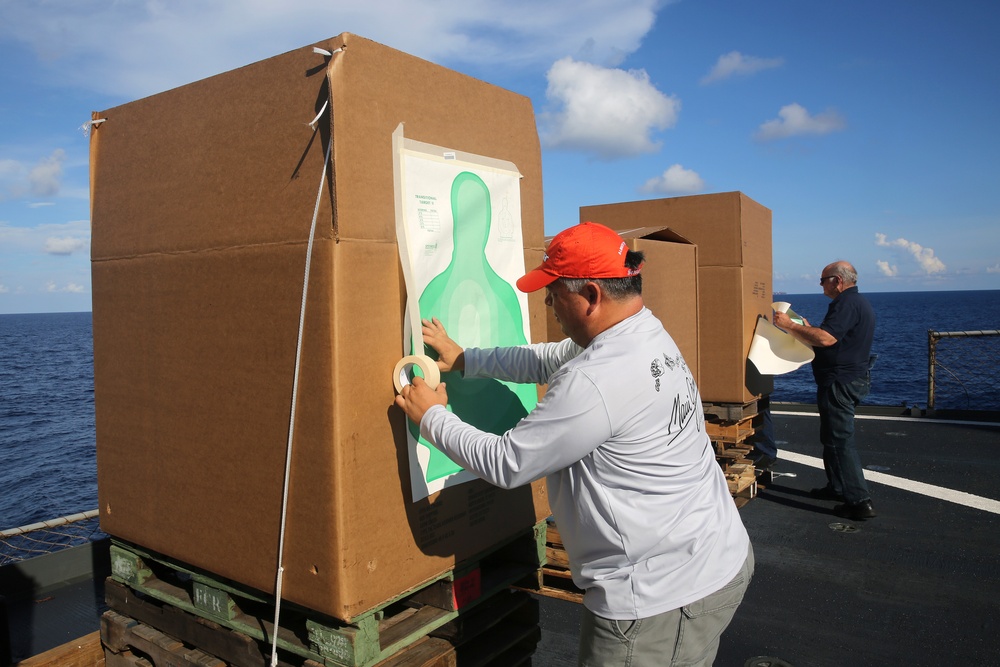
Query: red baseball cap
(587, 250)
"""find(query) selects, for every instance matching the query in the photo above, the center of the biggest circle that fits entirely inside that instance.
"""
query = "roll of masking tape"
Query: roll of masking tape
(403, 371)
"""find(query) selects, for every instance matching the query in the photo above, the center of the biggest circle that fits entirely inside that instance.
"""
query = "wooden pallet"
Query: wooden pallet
(730, 427)
(730, 412)
(553, 579)
(128, 643)
(729, 454)
(732, 432)
(232, 647)
(369, 638)
(742, 480)
(83, 652)
(501, 632)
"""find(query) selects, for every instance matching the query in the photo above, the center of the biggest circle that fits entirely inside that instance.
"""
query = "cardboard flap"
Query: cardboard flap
(375, 88)
(228, 161)
(654, 233)
(662, 233)
(729, 228)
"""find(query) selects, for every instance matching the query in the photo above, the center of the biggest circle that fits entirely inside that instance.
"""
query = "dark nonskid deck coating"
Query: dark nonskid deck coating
(918, 585)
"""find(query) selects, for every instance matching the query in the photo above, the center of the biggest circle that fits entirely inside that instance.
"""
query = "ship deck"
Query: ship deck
(918, 585)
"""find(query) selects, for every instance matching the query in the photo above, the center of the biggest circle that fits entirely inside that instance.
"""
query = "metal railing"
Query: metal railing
(969, 372)
(17, 544)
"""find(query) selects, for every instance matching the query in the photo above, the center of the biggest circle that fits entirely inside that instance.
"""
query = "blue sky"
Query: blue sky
(868, 128)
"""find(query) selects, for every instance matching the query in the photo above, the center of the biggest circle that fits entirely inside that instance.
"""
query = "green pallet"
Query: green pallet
(369, 638)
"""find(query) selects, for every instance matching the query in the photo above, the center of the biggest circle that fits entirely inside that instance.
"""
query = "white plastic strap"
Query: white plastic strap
(291, 421)
(315, 120)
(324, 52)
(85, 128)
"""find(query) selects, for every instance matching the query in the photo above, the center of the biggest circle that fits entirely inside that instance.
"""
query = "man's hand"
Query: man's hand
(804, 332)
(417, 398)
(782, 320)
(451, 355)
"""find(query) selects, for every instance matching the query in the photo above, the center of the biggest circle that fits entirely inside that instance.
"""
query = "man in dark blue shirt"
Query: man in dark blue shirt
(843, 344)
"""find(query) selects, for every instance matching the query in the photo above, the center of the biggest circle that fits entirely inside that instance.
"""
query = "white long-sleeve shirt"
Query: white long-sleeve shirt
(642, 506)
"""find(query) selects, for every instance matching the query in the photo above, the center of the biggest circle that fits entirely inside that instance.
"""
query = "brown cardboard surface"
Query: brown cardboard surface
(733, 232)
(729, 228)
(202, 201)
(730, 299)
(669, 287)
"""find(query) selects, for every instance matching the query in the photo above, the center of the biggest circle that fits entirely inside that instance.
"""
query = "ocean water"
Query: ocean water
(48, 465)
(900, 373)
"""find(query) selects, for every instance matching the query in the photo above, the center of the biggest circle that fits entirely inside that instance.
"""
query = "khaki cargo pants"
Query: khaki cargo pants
(685, 637)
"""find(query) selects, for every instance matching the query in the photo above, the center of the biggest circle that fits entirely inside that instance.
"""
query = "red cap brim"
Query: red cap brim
(535, 280)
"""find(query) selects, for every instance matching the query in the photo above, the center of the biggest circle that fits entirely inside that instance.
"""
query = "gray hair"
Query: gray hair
(616, 288)
(848, 274)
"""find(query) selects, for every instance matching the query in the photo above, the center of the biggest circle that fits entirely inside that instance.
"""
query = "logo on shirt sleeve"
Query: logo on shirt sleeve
(686, 404)
(659, 366)
(656, 369)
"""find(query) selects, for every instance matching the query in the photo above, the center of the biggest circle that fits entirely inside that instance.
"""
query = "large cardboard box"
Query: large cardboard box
(731, 299)
(729, 228)
(733, 235)
(669, 287)
(202, 200)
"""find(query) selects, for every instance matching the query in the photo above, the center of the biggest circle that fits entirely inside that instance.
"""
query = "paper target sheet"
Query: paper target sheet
(776, 352)
(461, 248)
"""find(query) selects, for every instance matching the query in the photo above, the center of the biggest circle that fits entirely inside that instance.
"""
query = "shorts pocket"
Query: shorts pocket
(625, 628)
(730, 595)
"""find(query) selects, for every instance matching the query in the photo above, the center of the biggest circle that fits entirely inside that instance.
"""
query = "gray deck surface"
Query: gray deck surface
(919, 585)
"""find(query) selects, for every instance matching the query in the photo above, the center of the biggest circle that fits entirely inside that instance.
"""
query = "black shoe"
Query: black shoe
(762, 461)
(825, 493)
(857, 511)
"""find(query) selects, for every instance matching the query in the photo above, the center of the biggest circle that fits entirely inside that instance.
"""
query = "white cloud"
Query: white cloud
(46, 176)
(9, 168)
(735, 63)
(12, 180)
(134, 49)
(794, 120)
(49, 238)
(66, 245)
(71, 288)
(924, 257)
(4, 289)
(42, 180)
(993, 269)
(610, 112)
(675, 180)
(887, 269)
(14, 238)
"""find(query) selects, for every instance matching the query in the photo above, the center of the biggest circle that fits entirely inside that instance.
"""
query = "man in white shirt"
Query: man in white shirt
(652, 534)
